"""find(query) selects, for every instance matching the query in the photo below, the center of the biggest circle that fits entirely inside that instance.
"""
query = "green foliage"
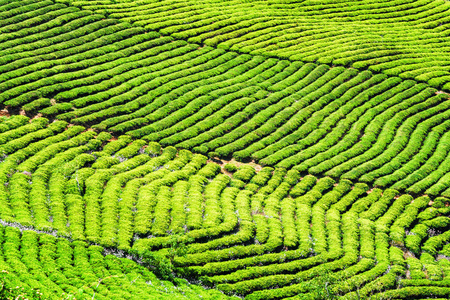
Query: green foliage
(248, 103)
(10, 292)
(230, 168)
(337, 210)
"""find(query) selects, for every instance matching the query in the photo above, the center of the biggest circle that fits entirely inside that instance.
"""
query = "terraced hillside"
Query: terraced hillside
(118, 118)
(76, 66)
(397, 37)
(264, 235)
(41, 266)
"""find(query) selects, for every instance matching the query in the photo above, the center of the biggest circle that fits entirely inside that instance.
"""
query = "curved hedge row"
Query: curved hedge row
(397, 37)
(155, 81)
(263, 235)
(41, 266)
(78, 67)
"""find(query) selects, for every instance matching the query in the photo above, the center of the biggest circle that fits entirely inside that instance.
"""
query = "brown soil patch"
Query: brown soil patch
(440, 256)
(37, 116)
(407, 254)
(442, 92)
(258, 213)
(223, 162)
(238, 164)
(4, 113)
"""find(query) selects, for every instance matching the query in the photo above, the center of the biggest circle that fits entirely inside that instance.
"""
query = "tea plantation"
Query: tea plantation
(241, 149)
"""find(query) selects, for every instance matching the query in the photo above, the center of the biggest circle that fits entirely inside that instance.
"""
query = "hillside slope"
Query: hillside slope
(397, 37)
(76, 66)
(121, 114)
(262, 234)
